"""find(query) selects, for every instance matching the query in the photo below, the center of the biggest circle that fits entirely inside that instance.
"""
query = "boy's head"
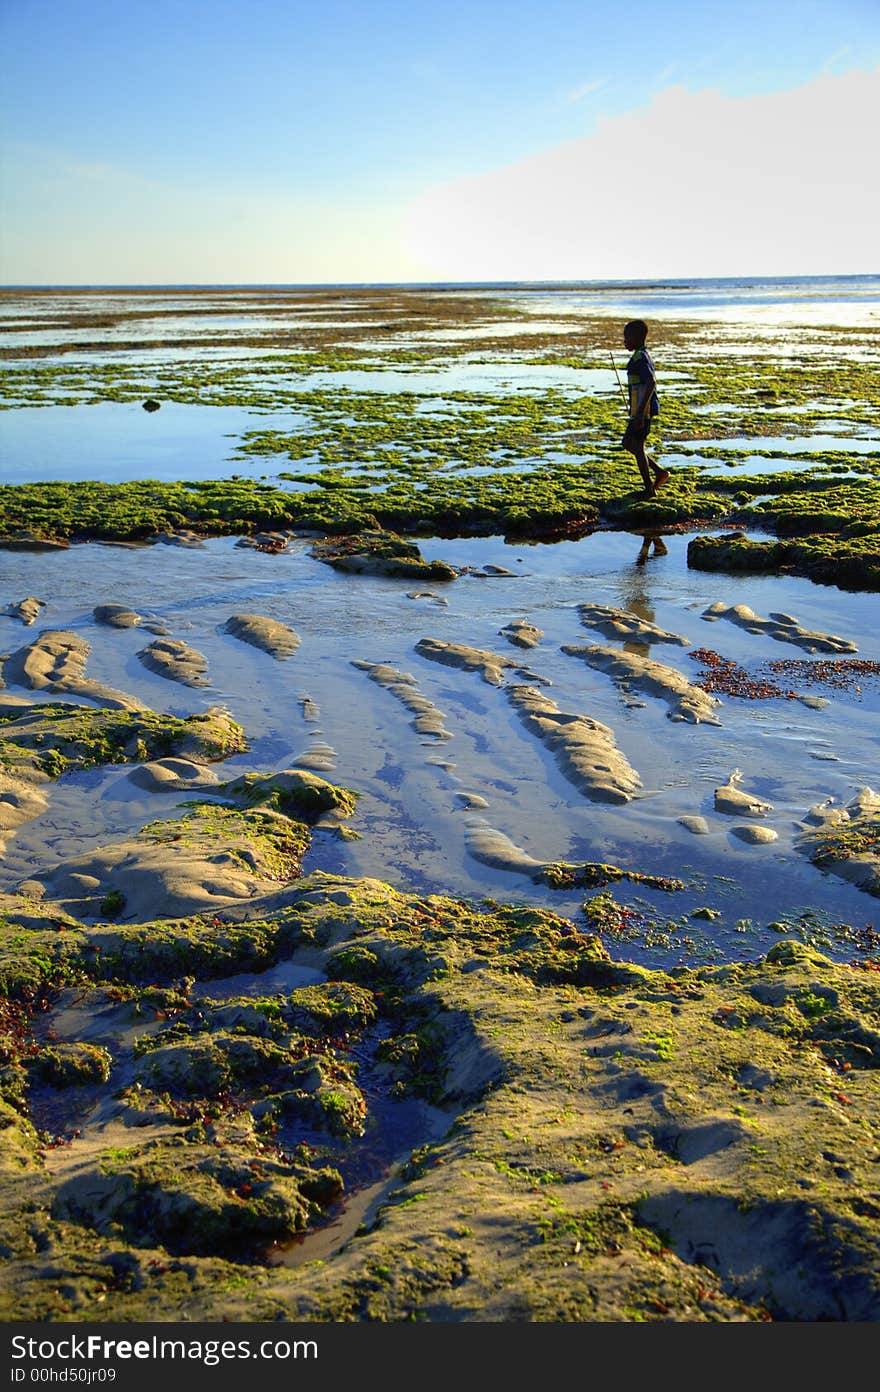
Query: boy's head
(634, 334)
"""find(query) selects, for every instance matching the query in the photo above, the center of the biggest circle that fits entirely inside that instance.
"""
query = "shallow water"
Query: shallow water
(413, 823)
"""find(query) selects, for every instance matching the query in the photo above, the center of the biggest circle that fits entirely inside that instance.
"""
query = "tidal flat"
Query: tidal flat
(437, 883)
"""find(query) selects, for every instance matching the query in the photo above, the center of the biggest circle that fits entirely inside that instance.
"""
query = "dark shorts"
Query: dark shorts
(636, 434)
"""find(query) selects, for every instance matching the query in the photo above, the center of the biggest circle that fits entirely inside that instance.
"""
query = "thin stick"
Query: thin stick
(619, 383)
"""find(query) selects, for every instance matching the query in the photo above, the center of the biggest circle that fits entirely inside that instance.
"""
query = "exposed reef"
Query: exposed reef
(614, 1137)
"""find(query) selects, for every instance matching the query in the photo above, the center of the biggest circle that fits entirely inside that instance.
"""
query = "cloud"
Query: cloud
(692, 183)
(586, 89)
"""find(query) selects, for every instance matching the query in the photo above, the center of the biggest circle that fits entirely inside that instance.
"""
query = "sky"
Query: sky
(275, 141)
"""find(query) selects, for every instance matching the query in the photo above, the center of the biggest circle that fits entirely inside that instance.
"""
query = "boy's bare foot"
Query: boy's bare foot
(661, 477)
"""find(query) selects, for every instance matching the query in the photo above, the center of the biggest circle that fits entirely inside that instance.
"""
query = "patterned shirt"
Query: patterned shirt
(639, 372)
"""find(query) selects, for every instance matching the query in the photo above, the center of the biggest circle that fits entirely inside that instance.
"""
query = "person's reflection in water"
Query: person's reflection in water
(652, 539)
(633, 594)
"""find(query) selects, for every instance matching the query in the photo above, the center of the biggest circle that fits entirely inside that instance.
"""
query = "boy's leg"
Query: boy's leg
(644, 468)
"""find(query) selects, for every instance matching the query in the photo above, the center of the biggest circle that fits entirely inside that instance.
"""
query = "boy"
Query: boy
(643, 405)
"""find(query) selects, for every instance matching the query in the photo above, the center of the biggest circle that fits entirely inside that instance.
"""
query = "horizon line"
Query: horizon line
(655, 282)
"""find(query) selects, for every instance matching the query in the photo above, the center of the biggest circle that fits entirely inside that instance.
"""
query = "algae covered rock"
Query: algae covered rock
(71, 1065)
(845, 841)
(379, 553)
(206, 1065)
(193, 1198)
(55, 737)
(116, 616)
(334, 1007)
(212, 857)
(294, 792)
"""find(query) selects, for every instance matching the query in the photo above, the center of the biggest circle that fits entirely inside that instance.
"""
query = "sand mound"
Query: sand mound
(173, 775)
(522, 634)
(213, 857)
(489, 665)
(733, 802)
(116, 616)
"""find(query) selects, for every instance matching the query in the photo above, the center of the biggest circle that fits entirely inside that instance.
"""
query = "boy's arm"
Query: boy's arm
(640, 409)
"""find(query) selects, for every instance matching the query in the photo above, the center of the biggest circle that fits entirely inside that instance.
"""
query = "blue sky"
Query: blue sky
(273, 140)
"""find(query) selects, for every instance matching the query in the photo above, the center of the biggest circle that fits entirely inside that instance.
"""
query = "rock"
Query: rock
(175, 660)
(183, 537)
(584, 748)
(522, 634)
(151, 405)
(116, 616)
(730, 800)
(23, 540)
(379, 553)
(686, 702)
(620, 623)
(755, 835)
(782, 627)
(267, 634)
(698, 825)
(273, 542)
(428, 594)
(26, 609)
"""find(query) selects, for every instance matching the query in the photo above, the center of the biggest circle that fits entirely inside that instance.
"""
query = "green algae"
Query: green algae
(57, 737)
(192, 1197)
(583, 1096)
(279, 842)
(295, 793)
(71, 1065)
(564, 876)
